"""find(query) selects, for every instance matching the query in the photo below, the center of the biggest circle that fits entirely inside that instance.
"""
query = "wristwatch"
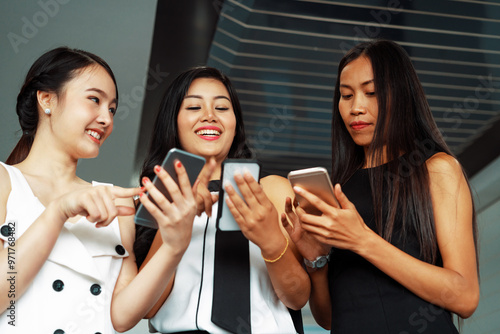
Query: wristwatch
(319, 262)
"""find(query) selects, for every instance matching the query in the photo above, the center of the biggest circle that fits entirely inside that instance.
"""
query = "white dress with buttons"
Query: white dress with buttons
(72, 292)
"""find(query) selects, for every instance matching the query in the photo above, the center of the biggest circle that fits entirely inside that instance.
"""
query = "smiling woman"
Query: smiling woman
(200, 113)
(206, 119)
(65, 110)
(46, 86)
(84, 109)
(56, 259)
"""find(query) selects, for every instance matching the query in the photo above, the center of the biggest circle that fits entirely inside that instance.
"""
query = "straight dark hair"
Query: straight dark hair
(49, 73)
(165, 136)
(406, 128)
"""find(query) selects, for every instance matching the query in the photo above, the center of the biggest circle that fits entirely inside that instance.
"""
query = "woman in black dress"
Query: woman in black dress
(402, 248)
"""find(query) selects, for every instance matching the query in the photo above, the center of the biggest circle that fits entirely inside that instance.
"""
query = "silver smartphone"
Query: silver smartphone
(225, 219)
(193, 165)
(316, 181)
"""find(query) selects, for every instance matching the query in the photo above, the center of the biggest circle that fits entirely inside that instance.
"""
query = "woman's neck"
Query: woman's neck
(48, 162)
(216, 173)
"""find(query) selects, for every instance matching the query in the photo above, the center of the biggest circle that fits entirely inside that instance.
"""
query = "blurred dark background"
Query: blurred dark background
(282, 57)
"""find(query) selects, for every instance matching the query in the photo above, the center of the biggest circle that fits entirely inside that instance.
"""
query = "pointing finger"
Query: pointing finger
(119, 192)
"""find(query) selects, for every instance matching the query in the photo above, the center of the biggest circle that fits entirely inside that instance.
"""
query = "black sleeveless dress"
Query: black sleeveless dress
(363, 298)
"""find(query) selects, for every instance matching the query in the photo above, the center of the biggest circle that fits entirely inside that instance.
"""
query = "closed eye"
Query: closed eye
(222, 108)
(193, 108)
(347, 96)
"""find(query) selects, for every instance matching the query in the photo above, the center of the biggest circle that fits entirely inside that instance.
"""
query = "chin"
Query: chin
(363, 142)
(210, 153)
(89, 155)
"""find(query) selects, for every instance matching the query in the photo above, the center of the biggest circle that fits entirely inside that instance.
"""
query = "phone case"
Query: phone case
(193, 165)
(225, 219)
(317, 181)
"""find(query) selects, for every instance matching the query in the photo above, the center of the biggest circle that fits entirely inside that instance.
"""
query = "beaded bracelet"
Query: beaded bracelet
(281, 255)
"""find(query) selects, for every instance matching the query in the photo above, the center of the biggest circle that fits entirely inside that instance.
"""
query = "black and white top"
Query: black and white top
(189, 305)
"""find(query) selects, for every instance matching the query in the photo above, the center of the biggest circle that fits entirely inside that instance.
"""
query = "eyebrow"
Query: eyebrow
(100, 91)
(200, 97)
(362, 84)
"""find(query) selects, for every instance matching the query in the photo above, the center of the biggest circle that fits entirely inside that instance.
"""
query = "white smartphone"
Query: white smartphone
(225, 219)
(193, 165)
(316, 181)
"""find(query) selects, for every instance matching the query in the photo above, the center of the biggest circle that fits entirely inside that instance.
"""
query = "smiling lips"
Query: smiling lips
(359, 125)
(209, 132)
(95, 135)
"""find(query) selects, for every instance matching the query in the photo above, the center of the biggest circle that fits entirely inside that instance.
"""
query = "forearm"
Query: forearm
(441, 286)
(319, 301)
(290, 281)
(156, 307)
(144, 290)
(26, 255)
(157, 242)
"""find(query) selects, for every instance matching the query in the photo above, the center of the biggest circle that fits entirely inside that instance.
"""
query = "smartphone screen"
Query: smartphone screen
(316, 181)
(193, 165)
(225, 219)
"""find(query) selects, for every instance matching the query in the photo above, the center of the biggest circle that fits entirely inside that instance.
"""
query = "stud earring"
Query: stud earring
(47, 111)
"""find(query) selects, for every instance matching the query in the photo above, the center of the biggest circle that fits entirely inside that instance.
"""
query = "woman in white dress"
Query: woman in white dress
(67, 259)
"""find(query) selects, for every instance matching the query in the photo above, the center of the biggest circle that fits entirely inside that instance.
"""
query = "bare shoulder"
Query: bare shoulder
(276, 184)
(4, 194)
(277, 189)
(444, 165)
(4, 175)
(6, 186)
(274, 180)
(446, 175)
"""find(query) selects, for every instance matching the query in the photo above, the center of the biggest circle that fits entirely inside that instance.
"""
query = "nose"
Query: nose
(105, 117)
(358, 106)
(208, 115)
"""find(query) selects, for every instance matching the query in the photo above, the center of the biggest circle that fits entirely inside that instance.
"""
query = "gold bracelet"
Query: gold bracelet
(281, 255)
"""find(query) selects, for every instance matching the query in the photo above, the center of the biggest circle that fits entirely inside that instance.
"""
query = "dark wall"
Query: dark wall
(182, 36)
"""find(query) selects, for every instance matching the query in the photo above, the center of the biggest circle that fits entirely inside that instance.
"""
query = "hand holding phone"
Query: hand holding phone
(193, 164)
(225, 219)
(315, 180)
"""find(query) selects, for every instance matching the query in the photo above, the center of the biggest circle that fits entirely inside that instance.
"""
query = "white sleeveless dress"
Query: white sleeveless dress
(72, 292)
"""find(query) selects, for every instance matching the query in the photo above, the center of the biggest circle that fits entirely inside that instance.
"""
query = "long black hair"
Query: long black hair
(165, 136)
(404, 126)
(49, 73)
